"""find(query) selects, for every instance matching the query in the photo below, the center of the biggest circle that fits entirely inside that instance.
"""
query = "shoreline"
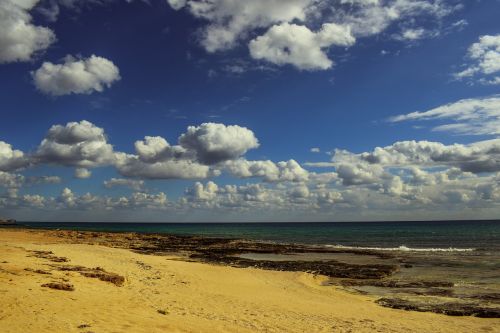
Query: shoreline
(158, 254)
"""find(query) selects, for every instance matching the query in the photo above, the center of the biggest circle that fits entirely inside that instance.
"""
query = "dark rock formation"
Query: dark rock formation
(329, 268)
(450, 309)
(59, 286)
(98, 273)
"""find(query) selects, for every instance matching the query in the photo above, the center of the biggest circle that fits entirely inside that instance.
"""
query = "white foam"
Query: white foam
(404, 248)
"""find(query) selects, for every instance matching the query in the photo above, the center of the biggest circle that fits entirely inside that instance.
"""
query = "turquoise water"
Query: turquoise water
(478, 235)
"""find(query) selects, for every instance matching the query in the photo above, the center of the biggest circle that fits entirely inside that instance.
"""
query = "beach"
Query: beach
(169, 293)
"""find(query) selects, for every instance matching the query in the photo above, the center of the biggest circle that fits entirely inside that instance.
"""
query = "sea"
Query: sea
(390, 236)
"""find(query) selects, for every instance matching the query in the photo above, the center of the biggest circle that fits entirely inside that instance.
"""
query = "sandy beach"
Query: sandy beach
(171, 294)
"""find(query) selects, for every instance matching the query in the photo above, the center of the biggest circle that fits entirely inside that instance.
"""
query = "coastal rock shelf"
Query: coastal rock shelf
(224, 251)
(450, 309)
(329, 268)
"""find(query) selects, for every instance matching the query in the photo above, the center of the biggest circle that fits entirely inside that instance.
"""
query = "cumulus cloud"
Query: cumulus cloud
(485, 60)
(72, 201)
(154, 149)
(33, 200)
(20, 39)
(80, 144)
(132, 166)
(200, 192)
(478, 157)
(11, 180)
(198, 149)
(475, 116)
(297, 45)
(82, 173)
(11, 159)
(230, 20)
(358, 173)
(15, 181)
(214, 143)
(84, 145)
(76, 76)
(268, 170)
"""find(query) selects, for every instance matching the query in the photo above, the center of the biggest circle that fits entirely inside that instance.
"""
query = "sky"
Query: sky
(237, 110)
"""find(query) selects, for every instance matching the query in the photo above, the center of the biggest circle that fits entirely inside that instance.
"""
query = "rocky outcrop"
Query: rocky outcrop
(4, 221)
(450, 309)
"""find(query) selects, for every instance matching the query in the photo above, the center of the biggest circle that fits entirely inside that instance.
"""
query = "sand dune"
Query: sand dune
(167, 294)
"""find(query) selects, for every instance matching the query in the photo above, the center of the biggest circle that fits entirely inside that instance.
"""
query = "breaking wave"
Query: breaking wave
(404, 248)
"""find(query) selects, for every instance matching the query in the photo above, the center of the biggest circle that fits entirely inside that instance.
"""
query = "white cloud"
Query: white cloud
(368, 18)
(477, 157)
(412, 34)
(71, 201)
(136, 185)
(154, 149)
(200, 192)
(297, 45)
(76, 144)
(33, 200)
(82, 173)
(315, 150)
(20, 40)
(11, 159)
(485, 60)
(268, 170)
(200, 147)
(177, 4)
(291, 37)
(43, 180)
(213, 143)
(11, 180)
(474, 116)
(76, 76)
(230, 20)
(150, 201)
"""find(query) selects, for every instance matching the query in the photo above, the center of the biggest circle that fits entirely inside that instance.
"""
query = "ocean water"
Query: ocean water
(455, 236)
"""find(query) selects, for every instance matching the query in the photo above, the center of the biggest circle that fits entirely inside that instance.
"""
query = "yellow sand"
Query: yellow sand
(195, 297)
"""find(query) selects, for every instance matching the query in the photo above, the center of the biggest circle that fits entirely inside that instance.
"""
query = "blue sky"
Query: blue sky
(270, 80)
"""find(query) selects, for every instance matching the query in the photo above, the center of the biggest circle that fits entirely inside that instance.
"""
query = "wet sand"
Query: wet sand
(117, 283)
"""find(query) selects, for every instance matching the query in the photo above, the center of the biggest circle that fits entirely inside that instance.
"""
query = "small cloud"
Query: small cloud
(82, 173)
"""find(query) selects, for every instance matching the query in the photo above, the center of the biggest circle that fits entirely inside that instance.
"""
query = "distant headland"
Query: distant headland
(4, 221)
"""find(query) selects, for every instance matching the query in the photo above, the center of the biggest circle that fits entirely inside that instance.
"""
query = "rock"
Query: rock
(38, 271)
(450, 309)
(59, 286)
(98, 273)
(329, 268)
(397, 284)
